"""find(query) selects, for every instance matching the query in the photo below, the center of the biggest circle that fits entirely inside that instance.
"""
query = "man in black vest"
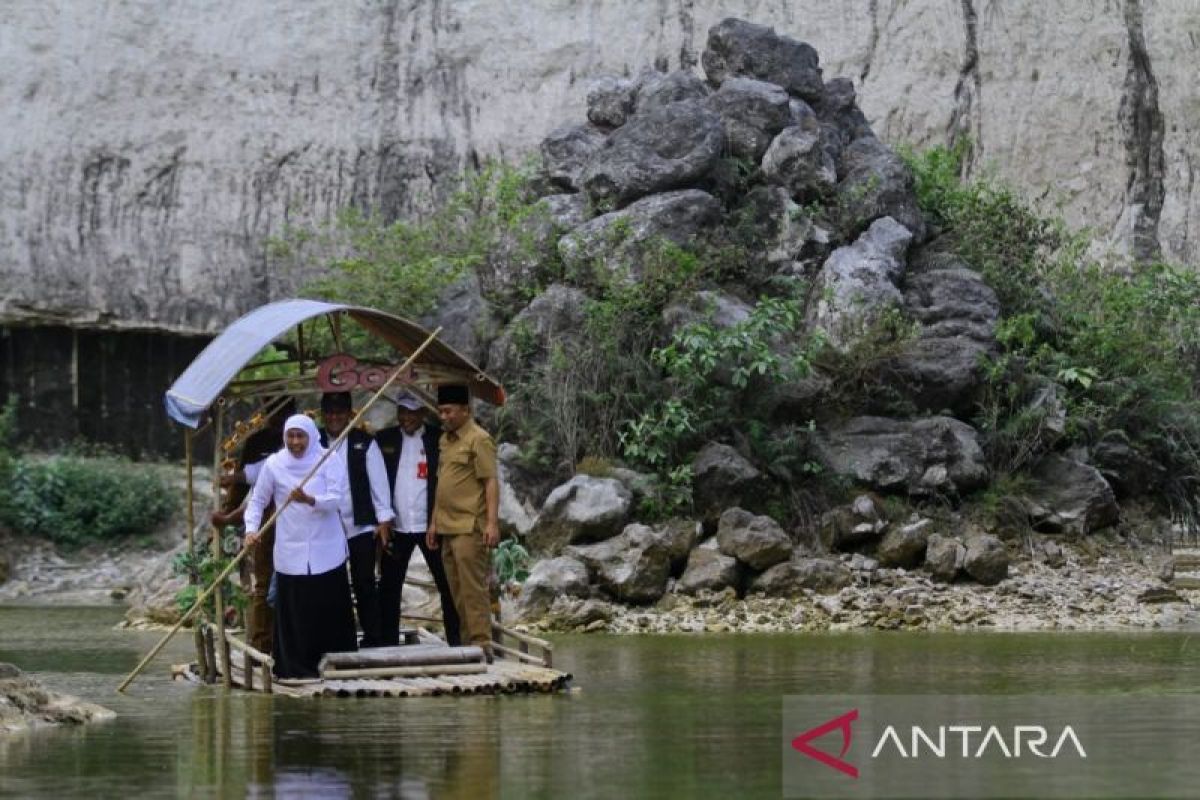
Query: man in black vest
(410, 452)
(366, 510)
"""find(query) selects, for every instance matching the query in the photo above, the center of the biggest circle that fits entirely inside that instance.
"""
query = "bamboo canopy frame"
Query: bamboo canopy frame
(210, 381)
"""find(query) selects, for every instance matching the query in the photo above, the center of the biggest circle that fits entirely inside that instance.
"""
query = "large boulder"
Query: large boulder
(515, 517)
(721, 476)
(618, 242)
(469, 323)
(877, 184)
(952, 300)
(986, 559)
(932, 455)
(529, 484)
(945, 557)
(1070, 496)
(736, 47)
(555, 318)
(517, 261)
(904, 546)
(1127, 469)
(842, 121)
(782, 230)
(676, 537)
(715, 308)
(567, 150)
(584, 509)
(709, 570)
(657, 90)
(756, 541)
(633, 567)
(752, 112)
(791, 578)
(942, 367)
(858, 283)
(850, 526)
(551, 578)
(663, 149)
(610, 101)
(797, 161)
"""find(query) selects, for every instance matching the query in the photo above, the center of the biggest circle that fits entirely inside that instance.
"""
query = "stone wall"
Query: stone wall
(151, 148)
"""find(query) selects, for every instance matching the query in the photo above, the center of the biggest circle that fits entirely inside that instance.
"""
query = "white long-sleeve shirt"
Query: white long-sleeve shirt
(377, 477)
(411, 494)
(309, 540)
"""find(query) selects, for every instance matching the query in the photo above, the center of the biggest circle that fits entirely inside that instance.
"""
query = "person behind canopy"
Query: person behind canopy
(313, 614)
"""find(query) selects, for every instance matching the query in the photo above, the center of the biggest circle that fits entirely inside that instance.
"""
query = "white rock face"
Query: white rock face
(151, 149)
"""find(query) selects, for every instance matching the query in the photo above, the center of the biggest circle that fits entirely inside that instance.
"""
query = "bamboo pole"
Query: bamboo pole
(517, 654)
(191, 509)
(237, 560)
(219, 596)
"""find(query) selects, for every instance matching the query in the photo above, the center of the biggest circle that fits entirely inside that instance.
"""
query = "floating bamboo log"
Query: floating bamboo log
(431, 670)
(402, 656)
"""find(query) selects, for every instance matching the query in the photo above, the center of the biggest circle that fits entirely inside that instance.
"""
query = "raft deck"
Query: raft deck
(516, 670)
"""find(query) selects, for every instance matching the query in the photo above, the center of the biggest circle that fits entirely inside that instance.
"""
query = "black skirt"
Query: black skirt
(313, 616)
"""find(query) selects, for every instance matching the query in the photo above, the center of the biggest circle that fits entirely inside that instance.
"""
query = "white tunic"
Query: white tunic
(309, 540)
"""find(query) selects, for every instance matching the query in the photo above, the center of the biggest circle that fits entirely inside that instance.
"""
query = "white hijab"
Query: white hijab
(289, 465)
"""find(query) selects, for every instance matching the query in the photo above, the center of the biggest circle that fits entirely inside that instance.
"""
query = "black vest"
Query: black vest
(357, 444)
(391, 440)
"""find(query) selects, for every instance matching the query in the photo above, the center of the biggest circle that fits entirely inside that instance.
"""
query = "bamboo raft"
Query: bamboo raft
(424, 666)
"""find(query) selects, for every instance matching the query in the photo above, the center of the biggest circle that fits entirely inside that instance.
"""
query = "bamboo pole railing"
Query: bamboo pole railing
(270, 522)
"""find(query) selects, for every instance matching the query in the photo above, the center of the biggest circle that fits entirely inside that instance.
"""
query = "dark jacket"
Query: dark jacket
(357, 443)
(391, 440)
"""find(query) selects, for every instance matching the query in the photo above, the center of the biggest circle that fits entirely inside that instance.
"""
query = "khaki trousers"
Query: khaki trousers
(467, 564)
(261, 623)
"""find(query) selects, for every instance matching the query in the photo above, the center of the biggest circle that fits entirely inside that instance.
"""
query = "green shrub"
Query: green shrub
(72, 500)
(403, 266)
(717, 377)
(201, 568)
(1121, 342)
(511, 562)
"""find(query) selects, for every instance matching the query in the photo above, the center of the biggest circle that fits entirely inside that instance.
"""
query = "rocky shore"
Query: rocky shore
(1121, 590)
(25, 703)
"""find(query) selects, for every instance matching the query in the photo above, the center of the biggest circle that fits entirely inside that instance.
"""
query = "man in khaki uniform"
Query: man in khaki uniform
(465, 513)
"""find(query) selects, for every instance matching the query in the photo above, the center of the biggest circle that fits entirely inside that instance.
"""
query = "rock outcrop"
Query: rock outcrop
(26, 703)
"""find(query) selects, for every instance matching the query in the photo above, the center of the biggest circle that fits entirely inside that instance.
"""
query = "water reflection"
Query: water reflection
(655, 717)
(278, 747)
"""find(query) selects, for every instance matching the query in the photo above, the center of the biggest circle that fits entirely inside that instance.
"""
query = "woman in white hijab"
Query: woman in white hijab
(313, 614)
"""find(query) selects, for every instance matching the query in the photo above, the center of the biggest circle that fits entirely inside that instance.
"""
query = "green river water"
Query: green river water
(680, 716)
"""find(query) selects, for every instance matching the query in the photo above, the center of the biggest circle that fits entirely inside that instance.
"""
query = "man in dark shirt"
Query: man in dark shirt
(366, 510)
(410, 452)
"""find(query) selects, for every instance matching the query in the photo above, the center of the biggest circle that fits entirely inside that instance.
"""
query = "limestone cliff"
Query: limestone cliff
(151, 148)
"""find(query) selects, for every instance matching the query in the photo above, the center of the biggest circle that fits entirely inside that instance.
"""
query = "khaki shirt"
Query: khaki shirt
(468, 459)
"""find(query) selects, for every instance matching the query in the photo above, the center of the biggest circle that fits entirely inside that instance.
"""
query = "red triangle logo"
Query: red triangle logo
(841, 723)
